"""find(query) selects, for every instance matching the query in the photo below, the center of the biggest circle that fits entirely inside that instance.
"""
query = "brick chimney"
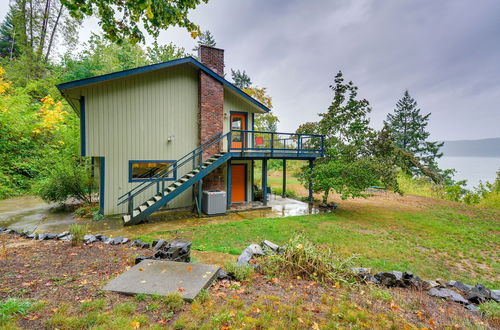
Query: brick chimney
(211, 114)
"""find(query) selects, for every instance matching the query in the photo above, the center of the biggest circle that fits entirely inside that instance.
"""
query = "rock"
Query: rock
(479, 294)
(323, 205)
(125, 240)
(464, 288)
(429, 284)
(136, 242)
(108, 240)
(117, 240)
(495, 295)
(32, 236)
(390, 279)
(359, 270)
(2, 230)
(176, 250)
(332, 205)
(145, 245)
(63, 234)
(103, 238)
(447, 294)
(159, 244)
(222, 274)
(416, 282)
(50, 236)
(270, 246)
(89, 239)
(140, 258)
(247, 255)
(67, 238)
(442, 283)
(472, 307)
(41, 236)
(371, 279)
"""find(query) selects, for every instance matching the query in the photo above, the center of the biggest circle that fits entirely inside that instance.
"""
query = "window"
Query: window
(148, 170)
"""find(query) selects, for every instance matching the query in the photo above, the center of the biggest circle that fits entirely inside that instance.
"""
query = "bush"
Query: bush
(67, 180)
(302, 258)
(288, 193)
(78, 231)
(240, 273)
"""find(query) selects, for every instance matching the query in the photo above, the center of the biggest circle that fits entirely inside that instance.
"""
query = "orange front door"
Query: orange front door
(238, 182)
(238, 122)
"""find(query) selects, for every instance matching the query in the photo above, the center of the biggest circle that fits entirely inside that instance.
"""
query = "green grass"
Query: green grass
(13, 308)
(435, 242)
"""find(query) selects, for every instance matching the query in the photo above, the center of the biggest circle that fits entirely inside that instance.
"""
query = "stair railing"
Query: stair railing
(194, 157)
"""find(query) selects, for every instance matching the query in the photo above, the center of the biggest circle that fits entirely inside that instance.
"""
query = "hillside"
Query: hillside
(472, 148)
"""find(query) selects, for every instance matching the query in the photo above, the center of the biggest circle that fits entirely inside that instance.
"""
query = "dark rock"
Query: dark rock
(155, 241)
(222, 274)
(116, 240)
(270, 246)
(472, 307)
(159, 244)
(103, 238)
(332, 205)
(125, 240)
(108, 240)
(137, 242)
(145, 245)
(416, 282)
(247, 255)
(495, 295)
(371, 279)
(50, 236)
(2, 230)
(323, 205)
(176, 250)
(24, 233)
(89, 239)
(447, 294)
(361, 271)
(479, 294)
(442, 283)
(140, 258)
(391, 279)
(464, 288)
(429, 284)
(63, 234)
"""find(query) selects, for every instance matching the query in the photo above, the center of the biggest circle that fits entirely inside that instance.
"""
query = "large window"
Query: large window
(147, 170)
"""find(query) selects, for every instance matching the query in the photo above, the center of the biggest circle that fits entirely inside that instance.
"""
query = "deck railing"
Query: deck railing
(275, 142)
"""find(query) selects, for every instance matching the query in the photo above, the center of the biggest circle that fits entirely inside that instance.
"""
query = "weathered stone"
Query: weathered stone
(32, 236)
(137, 242)
(416, 282)
(108, 240)
(495, 295)
(145, 245)
(50, 236)
(442, 283)
(125, 240)
(117, 240)
(61, 235)
(222, 274)
(159, 244)
(270, 246)
(140, 258)
(472, 307)
(447, 294)
(101, 237)
(247, 255)
(464, 288)
(361, 271)
(42, 236)
(176, 250)
(89, 239)
(371, 279)
(67, 238)
(429, 284)
(390, 279)
(332, 205)
(479, 294)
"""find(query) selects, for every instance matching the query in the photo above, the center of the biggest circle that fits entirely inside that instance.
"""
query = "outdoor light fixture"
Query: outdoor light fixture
(170, 138)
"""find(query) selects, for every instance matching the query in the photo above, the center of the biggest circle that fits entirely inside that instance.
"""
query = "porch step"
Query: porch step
(143, 207)
(157, 197)
(150, 202)
(126, 218)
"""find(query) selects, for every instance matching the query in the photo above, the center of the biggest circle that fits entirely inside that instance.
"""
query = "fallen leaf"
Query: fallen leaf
(135, 325)
(141, 269)
(431, 322)
(181, 289)
(256, 310)
(189, 269)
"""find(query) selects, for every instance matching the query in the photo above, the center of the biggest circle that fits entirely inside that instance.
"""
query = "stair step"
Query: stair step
(143, 207)
(177, 184)
(150, 202)
(183, 179)
(170, 189)
(126, 218)
(157, 197)
(190, 175)
(196, 171)
(135, 213)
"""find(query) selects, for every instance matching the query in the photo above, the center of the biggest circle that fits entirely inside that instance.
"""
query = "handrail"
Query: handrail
(161, 176)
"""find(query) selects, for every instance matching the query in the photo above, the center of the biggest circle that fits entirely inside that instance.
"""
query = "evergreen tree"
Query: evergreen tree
(408, 129)
(241, 79)
(8, 47)
(205, 39)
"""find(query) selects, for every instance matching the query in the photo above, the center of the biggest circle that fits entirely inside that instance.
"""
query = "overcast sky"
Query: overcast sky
(447, 53)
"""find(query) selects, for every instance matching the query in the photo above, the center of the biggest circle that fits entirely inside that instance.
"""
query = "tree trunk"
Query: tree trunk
(52, 35)
(43, 34)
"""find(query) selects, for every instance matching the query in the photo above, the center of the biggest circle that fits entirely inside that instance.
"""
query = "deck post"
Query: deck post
(264, 181)
(229, 182)
(283, 193)
(253, 179)
(310, 182)
(200, 194)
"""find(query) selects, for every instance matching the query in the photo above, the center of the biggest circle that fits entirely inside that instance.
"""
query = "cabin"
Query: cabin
(160, 135)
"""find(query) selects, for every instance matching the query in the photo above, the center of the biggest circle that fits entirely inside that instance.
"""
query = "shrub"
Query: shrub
(288, 193)
(78, 231)
(240, 273)
(302, 258)
(68, 179)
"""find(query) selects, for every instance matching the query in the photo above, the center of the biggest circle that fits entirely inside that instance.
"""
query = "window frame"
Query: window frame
(131, 162)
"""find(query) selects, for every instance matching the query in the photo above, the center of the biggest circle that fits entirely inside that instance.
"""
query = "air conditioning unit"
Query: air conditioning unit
(214, 202)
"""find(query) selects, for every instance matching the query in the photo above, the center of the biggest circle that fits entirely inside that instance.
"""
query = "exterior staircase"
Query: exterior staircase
(166, 193)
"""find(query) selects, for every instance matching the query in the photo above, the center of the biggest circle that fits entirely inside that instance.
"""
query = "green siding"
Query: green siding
(132, 118)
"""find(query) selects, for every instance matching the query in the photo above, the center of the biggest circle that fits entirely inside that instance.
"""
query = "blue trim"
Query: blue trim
(264, 181)
(130, 162)
(102, 174)
(229, 183)
(83, 141)
(253, 129)
(148, 68)
(252, 180)
(246, 124)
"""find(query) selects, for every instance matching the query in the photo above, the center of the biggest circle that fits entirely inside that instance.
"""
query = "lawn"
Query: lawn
(434, 242)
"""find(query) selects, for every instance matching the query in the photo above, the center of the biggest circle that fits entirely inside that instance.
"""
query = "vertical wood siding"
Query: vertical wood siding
(132, 118)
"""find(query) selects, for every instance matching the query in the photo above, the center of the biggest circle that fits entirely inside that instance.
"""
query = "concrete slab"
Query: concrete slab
(164, 277)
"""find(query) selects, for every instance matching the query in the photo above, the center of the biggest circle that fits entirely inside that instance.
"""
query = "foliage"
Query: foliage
(68, 179)
(408, 129)
(204, 39)
(8, 48)
(302, 258)
(356, 157)
(78, 231)
(123, 20)
(240, 273)
(12, 308)
(172, 302)
(241, 79)
(162, 53)
(263, 121)
(490, 309)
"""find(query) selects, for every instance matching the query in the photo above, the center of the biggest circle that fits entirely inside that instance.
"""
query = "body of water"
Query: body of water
(472, 169)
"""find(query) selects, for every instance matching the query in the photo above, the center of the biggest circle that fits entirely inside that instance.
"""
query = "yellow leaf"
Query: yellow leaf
(135, 325)
(149, 13)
